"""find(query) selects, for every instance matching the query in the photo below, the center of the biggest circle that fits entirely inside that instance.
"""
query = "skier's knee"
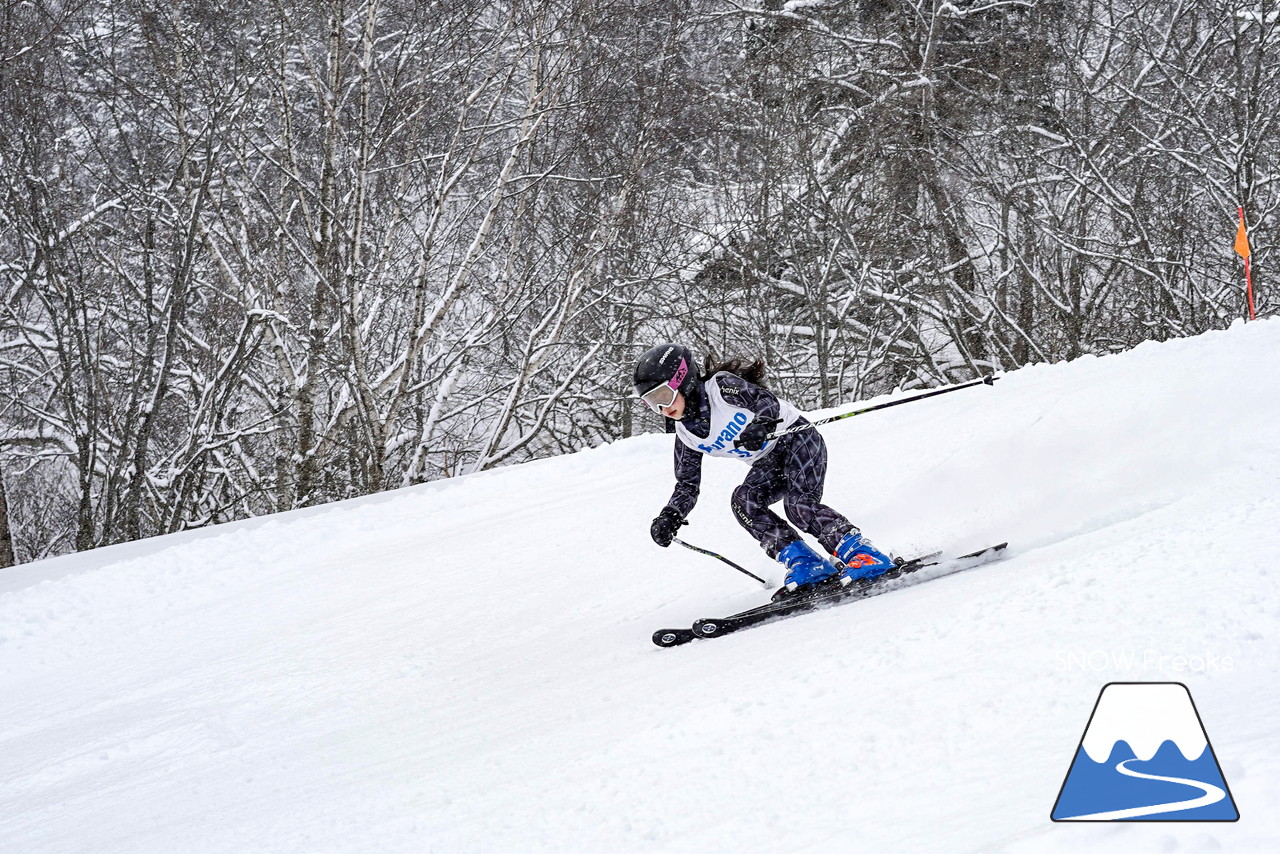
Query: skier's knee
(744, 503)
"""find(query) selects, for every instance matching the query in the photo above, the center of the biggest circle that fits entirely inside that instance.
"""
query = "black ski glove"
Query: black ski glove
(665, 526)
(756, 434)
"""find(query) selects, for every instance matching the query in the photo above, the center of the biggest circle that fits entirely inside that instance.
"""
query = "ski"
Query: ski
(825, 597)
(676, 637)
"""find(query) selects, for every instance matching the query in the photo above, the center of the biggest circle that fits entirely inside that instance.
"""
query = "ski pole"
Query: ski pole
(720, 557)
(796, 429)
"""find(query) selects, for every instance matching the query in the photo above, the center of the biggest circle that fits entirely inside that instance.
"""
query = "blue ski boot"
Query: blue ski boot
(861, 559)
(805, 567)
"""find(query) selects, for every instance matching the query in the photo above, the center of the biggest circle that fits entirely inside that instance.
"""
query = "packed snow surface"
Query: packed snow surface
(466, 666)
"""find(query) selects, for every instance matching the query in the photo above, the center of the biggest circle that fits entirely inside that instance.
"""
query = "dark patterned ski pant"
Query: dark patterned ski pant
(794, 474)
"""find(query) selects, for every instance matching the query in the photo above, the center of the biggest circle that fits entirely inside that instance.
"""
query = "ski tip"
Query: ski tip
(998, 547)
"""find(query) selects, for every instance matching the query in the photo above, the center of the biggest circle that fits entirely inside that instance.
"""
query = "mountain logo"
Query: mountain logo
(1145, 756)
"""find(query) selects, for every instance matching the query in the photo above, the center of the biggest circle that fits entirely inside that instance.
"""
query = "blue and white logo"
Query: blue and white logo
(731, 430)
(1145, 756)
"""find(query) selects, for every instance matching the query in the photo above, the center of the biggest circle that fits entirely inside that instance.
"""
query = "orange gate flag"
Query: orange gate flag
(1242, 238)
(1242, 248)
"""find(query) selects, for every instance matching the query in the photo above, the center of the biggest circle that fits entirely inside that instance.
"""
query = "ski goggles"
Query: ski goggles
(663, 396)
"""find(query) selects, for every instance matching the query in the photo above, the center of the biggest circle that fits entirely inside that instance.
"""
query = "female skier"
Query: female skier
(709, 413)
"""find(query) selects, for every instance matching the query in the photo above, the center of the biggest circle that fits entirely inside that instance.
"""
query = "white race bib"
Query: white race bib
(728, 422)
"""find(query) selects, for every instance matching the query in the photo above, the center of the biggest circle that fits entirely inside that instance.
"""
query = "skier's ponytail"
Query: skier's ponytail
(751, 370)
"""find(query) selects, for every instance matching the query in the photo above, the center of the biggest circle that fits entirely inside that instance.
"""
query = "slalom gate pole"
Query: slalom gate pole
(984, 381)
(719, 557)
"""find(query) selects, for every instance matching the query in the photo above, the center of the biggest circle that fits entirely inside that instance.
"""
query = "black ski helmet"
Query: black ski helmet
(660, 365)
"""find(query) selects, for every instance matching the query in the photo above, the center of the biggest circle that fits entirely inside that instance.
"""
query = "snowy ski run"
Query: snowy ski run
(464, 666)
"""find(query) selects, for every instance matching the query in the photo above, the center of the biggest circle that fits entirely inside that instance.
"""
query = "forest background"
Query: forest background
(261, 254)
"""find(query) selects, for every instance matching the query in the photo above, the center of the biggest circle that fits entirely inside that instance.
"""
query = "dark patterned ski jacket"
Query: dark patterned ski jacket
(688, 462)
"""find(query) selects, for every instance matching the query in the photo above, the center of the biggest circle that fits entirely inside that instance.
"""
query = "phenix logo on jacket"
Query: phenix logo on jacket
(727, 422)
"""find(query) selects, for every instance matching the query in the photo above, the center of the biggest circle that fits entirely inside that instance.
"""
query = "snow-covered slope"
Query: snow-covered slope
(466, 666)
